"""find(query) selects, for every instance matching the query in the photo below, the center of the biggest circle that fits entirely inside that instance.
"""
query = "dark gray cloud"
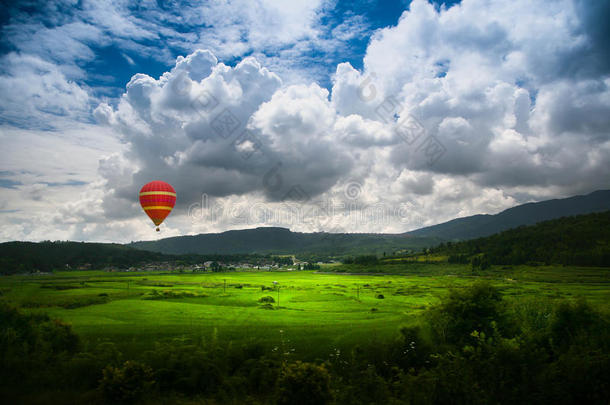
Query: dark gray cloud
(594, 16)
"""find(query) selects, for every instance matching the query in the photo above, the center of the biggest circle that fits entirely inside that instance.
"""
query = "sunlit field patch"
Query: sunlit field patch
(316, 310)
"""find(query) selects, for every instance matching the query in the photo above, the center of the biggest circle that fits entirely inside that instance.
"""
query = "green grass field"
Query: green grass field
(316, 312)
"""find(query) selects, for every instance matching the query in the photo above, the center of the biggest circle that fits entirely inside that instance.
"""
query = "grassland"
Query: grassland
(316, 313)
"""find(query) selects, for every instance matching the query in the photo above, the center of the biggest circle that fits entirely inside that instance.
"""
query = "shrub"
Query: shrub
(33, 350)
(27, 334)
(266, 299)
(476, 308)
(183, 367)
(170, 294)
(260, 374)
(573, 322)
(82, 371)
(59, 337)
(303, 384)
(380, 296)
(366, 387)
(126, 384)
(411, 350)
(83, 301)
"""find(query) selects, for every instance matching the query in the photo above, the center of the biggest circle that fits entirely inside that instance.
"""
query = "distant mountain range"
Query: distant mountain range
(581, 240)
(527, 214)
(282, 240)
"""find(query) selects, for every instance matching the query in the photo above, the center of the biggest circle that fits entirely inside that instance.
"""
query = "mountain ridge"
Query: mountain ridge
(280, 240)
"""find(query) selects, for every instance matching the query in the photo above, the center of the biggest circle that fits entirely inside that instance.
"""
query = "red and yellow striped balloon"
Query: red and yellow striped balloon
(157, 199)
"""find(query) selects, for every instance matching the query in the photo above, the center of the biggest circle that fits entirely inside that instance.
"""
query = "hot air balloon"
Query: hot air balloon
(157, 199)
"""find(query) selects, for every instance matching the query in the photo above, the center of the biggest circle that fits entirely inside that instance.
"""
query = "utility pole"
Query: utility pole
(278, 296)
(224, 289)
(358, 292)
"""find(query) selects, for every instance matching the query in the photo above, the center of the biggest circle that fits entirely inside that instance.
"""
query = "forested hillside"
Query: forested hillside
(23, 257)
(582, 240)
(28, 257)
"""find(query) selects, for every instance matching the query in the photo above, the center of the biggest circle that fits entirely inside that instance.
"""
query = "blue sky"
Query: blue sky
(110, 66)
(510, 98)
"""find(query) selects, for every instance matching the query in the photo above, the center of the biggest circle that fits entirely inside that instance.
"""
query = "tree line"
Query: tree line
(27, 257)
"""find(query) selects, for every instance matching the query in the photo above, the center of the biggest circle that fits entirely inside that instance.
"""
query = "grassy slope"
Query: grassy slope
(318, 311)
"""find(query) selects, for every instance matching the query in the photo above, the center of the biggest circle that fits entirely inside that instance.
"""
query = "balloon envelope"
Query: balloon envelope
(157, 199)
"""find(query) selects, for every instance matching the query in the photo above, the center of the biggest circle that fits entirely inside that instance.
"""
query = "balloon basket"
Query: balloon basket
(157, 229)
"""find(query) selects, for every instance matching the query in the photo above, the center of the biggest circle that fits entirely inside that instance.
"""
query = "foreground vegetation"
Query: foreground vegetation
(437, 335)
